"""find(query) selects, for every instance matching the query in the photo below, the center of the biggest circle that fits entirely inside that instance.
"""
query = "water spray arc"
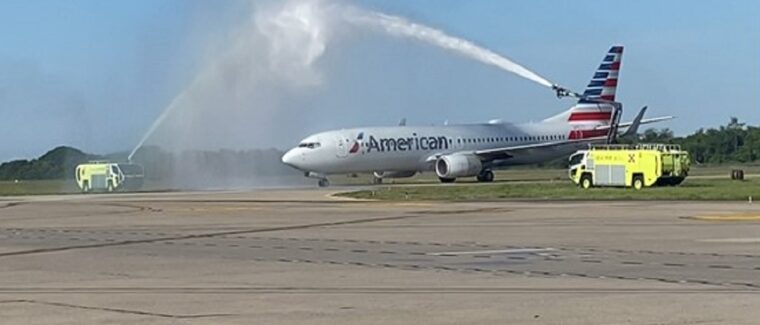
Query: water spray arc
(301, 24)
(159, 120)
(401, 27)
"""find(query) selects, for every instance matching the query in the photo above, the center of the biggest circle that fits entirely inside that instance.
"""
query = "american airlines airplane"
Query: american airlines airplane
(471, 150)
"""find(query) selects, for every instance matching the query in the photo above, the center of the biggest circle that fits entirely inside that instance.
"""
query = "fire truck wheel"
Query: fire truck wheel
(638, 182)
(586, 181)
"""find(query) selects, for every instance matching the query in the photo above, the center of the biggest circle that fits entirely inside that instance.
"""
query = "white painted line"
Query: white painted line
(497, 251)
(731, 240)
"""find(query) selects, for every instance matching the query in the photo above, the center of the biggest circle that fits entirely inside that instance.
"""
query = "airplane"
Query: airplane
(471, 150)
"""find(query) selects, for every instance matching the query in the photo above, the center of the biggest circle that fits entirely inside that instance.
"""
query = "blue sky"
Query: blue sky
(94, 74)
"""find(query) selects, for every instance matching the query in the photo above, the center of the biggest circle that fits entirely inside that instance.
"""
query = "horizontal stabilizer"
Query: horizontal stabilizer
(643, 121)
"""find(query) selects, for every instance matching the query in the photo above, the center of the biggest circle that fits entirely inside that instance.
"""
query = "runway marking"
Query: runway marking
(729, 217)
(731, 240)
(496, 251)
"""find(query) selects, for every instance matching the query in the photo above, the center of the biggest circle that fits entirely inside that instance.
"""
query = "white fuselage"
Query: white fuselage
(410, 148)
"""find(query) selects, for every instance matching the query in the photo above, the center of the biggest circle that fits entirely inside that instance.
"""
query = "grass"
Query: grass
(707, 183)
(55, 186)
(37, 187)
(698, 189)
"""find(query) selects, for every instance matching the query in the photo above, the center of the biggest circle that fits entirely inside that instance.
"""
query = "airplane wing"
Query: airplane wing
(513, 151)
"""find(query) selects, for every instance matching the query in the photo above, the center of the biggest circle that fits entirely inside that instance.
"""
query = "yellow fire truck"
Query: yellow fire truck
(636, 166)
(107, 176)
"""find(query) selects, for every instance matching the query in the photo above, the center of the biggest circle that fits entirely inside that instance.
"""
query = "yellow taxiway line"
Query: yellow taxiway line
(728, 217)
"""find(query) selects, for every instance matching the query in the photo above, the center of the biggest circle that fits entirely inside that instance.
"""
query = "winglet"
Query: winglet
(634, 128)
(402, 122)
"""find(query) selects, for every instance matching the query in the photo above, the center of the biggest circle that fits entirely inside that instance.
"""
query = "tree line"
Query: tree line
(734, 142)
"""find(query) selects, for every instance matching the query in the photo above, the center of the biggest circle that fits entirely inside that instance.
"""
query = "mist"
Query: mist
(290, 67)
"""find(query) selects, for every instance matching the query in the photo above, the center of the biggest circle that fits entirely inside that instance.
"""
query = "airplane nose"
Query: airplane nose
(289, 158)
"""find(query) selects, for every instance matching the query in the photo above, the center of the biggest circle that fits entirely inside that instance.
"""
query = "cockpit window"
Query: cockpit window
(310, 145)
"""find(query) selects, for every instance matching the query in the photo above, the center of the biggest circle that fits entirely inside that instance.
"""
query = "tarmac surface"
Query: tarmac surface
(301, 256)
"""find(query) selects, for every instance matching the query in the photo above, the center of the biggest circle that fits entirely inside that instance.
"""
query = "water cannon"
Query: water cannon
(564, 92)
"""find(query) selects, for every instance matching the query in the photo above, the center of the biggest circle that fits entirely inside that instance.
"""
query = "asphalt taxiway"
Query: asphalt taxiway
(301, 256)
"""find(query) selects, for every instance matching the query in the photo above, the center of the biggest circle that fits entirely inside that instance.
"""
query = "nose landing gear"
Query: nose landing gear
(322, 179)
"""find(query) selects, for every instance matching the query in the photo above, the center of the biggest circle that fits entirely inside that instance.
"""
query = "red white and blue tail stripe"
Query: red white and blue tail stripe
(588, 118)
(604, 83)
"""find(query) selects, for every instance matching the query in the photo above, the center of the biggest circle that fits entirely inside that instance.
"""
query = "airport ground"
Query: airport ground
(303, 256)
(506, 176)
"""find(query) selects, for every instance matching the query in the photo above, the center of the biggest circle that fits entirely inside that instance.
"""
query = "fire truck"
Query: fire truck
(108, 177)
(636, 166)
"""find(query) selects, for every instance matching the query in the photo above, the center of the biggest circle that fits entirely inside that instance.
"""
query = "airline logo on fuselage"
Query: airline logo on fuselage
(414, 142)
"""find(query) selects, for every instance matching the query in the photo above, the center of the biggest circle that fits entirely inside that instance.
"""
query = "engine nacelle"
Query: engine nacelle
(401, 174)
(458, 165)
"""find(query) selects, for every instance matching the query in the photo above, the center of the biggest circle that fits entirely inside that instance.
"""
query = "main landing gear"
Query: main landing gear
(485, 176)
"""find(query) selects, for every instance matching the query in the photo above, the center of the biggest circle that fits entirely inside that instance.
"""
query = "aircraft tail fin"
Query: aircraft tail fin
(603, 84)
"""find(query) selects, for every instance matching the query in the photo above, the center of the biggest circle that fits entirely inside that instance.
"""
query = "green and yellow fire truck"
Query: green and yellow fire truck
(636, 166)
(108, 176)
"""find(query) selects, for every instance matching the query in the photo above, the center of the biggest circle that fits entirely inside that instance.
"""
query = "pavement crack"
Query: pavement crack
(205, 235)
(114, 310)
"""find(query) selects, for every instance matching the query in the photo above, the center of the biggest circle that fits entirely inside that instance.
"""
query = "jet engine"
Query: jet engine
(458, 165)
(401, 174)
